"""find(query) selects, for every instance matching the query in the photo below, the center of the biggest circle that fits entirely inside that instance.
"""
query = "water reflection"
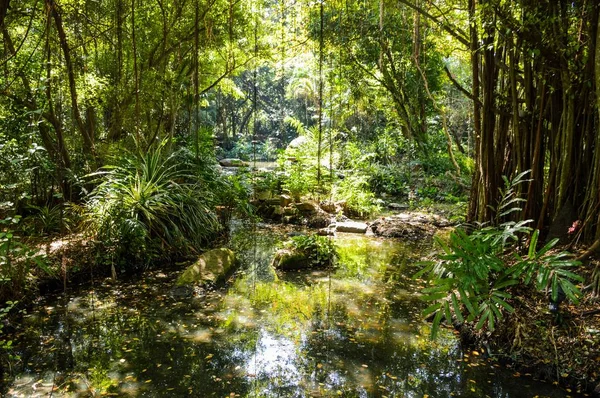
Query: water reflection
(354, 331)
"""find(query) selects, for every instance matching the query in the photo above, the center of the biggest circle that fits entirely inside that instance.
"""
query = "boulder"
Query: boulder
(289, 211)
(233, 162)
(306, 207)
(290, 259)
(297, 142)
(263, 195)
(328, 206)
(318, 220)
(397, 206)
(273, 201)
(397, 228)
(326, 231)
(352, 227)
(211, 267)
(285, 200)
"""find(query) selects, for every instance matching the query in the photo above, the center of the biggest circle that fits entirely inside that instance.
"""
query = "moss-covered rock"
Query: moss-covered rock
(211, 267)
(290, 259)
(305, 251)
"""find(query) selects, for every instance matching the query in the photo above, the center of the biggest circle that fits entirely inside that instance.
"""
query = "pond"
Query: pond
(354, 331)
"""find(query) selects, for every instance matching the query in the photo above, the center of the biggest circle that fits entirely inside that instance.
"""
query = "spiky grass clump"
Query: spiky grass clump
(150, 205)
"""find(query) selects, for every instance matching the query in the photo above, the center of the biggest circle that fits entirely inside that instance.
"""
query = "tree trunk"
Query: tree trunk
(88, 139)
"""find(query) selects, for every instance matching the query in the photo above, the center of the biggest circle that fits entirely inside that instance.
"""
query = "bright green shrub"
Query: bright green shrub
(355, 191)
(320, 250)
(151, 203)
(470, 279)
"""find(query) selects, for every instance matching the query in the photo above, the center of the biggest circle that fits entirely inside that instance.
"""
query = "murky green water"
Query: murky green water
(354, 332)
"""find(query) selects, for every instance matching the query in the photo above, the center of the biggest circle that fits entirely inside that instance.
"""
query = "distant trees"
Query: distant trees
(82, 77)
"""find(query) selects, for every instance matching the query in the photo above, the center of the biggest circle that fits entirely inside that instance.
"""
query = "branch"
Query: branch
(224, 75)
(459, 87)
(589, 251)
(455, 32)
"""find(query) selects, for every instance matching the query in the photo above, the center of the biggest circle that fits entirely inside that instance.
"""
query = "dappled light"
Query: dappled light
(353, 329)
(297, 198)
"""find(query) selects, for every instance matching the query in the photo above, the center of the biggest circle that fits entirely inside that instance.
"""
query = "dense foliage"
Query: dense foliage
(149, 204)
(474, 274)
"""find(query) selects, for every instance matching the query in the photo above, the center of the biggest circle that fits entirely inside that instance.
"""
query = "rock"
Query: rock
(306, 207)
(211, 267)
(276, 201)
(285, 200)
(342, 218)
(233, 162)
(397, 228)
(318, 220)
(289, 259)
(264, 195)
(328, 206)
(326, 231)
(289, 211)
(352, 227)
(297, 142)
(397, 206)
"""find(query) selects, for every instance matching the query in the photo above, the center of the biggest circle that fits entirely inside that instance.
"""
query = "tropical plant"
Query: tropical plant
(17, 261)
(319, 250)
(470, 279)
(355, 191)
(232, 194)
(46, 219)
(308, 171)
(151, 200)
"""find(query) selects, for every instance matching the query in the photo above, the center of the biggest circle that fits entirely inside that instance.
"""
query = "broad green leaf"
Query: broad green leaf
(457, 311)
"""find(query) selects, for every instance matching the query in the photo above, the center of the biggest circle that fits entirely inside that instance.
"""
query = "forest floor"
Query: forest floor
(562, 348)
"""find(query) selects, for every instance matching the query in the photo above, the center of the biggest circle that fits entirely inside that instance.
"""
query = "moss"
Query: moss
(211, 267)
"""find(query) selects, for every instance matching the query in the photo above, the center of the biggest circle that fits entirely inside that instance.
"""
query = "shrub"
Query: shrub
(17, 260)
(232, 194)
(390, 179)
(355, 191)
(151, 203)
(320, 250)
(471, 277)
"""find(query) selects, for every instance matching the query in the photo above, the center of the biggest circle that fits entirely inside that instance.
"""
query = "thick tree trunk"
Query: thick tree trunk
(4, 5)
(476, 192)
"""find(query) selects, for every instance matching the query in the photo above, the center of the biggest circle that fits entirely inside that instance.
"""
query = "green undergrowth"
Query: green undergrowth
(472, 278)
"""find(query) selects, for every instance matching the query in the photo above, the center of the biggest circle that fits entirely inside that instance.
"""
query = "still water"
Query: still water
(352, 332)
